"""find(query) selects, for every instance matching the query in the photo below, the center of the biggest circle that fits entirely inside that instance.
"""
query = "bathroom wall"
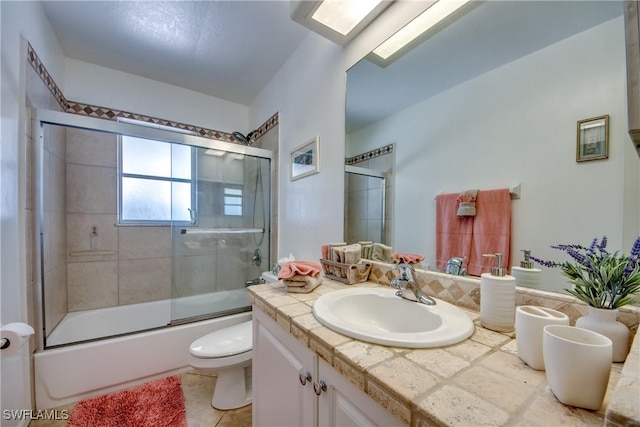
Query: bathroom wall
(18, 20)
(539, 98)
(309, 94)
(114, 89)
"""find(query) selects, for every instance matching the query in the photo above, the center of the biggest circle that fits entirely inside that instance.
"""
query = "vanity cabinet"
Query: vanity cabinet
(279, 396)
(293, 387)
(343, 404)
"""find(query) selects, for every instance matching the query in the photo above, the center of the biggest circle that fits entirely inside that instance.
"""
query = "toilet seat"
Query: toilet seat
(231, 341)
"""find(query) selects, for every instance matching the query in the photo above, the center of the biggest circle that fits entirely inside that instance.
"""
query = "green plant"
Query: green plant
(600, 278)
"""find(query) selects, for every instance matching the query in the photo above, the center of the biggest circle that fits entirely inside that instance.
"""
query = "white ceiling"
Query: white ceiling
(226, 49)
(231, 49)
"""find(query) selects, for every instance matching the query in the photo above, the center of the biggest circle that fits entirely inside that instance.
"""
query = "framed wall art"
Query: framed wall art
(593, 139)
(305, 159)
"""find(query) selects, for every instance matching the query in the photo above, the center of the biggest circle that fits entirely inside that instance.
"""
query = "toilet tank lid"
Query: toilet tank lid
(224, 342)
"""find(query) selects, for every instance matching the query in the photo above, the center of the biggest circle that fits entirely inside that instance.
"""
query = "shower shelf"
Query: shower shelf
(221, 230)
(94, 252)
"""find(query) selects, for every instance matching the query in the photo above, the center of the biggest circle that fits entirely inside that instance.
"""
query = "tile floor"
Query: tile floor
(197, 390)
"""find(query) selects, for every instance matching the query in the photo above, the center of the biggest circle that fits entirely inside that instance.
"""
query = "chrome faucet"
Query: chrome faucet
(454, 266)
(407, 285)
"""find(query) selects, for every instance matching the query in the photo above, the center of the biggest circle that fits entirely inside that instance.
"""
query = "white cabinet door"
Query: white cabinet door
(342, 404)
(279, 398)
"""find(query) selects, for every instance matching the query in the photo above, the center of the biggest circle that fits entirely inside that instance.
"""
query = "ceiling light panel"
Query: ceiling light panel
(437, 14)
(343, 15)
(338, 20)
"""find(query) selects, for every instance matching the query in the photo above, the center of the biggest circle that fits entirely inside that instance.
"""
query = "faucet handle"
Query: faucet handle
(405, 278)
(454, 265)
(406, 272)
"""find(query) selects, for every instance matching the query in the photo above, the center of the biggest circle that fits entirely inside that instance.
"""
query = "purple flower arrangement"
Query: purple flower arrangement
(600, 278)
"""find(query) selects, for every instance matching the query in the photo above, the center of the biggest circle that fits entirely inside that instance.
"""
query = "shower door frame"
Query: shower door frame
(41, 117)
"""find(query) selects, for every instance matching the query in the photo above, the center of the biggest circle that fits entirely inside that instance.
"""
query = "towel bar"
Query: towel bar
(221, 230)
(515, 192)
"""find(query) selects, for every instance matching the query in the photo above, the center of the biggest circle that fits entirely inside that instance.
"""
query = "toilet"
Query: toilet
(227, 353)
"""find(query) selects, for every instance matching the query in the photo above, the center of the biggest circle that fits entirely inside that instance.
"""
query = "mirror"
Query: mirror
(492, 101)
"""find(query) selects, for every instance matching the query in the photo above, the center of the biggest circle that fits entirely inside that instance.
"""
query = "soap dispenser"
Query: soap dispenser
(526, 274)
(497, 298)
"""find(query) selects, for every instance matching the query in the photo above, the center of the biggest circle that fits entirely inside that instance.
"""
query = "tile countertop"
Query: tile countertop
(480, 381)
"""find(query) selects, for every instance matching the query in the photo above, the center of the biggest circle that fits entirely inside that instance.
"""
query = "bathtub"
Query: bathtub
(67, 374)
(107, 322)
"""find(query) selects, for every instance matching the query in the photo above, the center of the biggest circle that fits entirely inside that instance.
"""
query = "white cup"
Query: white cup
(578, 364)
(530, 321)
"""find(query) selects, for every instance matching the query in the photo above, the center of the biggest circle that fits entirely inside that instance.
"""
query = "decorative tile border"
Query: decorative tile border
(387, 149)
(82, 109)
(111, 114)
(38, 66)
(267, 125)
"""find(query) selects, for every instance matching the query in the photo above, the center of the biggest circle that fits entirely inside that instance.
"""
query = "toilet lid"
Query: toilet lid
(228, 341)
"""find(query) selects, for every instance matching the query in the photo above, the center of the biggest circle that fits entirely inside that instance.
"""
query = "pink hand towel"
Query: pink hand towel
(302, 268)
(453, 233)
(407, 258)
(491, 231)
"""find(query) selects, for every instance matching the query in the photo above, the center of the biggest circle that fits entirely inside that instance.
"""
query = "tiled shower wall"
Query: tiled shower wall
(137, 264)
(38, 95)
(363, 212)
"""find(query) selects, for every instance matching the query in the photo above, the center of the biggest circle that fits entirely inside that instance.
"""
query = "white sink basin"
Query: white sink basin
(378, 316)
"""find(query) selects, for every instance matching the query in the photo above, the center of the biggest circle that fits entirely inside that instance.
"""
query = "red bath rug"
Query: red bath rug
(155, 404)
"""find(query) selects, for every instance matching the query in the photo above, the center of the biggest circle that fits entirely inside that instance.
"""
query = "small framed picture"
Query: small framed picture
(305, 159)
(593, 139)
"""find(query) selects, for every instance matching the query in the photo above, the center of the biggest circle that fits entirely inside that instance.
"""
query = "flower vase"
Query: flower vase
(604, 322)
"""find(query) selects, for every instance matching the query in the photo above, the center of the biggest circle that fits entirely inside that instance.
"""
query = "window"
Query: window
(156, 182)
(233, 201)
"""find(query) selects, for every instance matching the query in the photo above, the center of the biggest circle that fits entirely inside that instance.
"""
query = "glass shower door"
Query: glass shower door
(226, 247)
(136, 229)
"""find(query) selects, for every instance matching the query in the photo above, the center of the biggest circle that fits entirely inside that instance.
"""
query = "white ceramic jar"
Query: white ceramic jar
(578, 364)
(530, 322)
